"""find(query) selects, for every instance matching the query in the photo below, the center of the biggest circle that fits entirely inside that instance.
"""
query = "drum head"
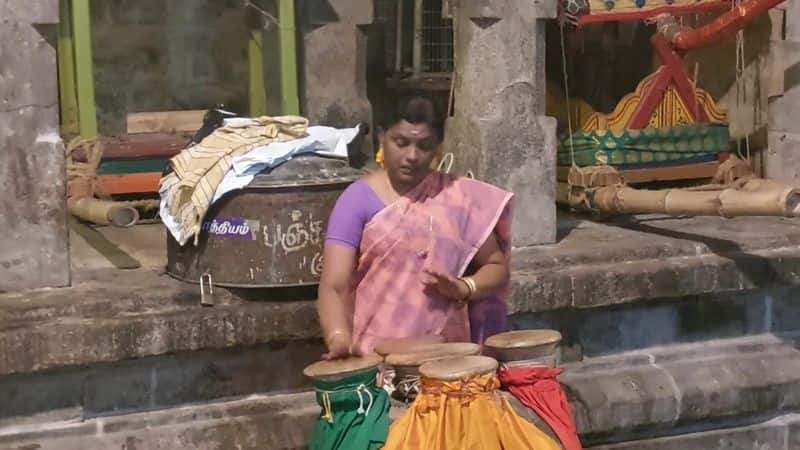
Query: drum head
(337, 369)
(523, 344)
(406, 345)
(450, 369)
(432, 352)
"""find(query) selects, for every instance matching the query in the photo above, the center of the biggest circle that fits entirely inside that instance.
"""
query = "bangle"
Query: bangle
(471, 287)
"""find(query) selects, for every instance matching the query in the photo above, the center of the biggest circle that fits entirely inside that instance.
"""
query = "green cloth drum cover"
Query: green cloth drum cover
(355, 414)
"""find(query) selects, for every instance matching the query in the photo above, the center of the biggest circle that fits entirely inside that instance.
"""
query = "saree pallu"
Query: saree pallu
(470, 414)
(355, 414)
(538, 389)
(440, 224)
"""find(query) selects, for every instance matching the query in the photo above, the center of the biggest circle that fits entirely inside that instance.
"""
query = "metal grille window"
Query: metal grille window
(423, 38)
(437, 39)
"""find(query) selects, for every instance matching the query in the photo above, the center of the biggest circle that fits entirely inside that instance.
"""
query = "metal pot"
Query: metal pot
(269, 234)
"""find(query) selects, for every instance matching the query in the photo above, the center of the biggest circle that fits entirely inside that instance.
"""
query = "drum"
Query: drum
(459, 405)
(406, 365)
(529, 360)
(531, 347)
(406, 345)
(451, 369)
(338, 369)
(355, 410)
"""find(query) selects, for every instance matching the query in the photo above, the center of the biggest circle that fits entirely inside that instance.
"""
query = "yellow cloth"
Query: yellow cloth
(198, 170)
(465, 415)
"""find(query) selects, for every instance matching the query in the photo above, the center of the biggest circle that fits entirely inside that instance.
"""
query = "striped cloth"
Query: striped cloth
(440, 225)
(198, 170)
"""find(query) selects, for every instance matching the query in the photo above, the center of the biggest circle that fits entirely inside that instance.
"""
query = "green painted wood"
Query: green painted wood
(68, 102)
(84, 78)
(255, 59)
(290, 101)
(139, 166)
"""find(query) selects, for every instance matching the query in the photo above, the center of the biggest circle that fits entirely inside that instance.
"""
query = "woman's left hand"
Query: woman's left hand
(446, 285)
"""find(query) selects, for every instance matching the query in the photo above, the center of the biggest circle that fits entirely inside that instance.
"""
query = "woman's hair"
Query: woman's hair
(416, 110)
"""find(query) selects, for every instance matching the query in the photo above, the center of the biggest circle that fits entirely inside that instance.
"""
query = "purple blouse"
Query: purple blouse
(357, 205)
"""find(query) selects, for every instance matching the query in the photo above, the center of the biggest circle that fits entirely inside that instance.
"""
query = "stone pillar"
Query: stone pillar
(33, 244)
(782, 161)
(333, 85)
(499, 130)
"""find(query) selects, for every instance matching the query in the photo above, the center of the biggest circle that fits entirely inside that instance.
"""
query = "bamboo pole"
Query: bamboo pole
(755, 197)
(290, 103)
(103, 212)
(255, 73)
(84, 77)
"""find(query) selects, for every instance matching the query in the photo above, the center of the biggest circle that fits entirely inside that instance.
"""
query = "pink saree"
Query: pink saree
(440, 224)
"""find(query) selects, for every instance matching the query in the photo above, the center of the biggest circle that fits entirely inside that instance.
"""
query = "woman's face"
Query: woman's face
(408, 150)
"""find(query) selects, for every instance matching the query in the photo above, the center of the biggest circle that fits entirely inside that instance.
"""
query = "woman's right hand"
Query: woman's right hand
(340, 345)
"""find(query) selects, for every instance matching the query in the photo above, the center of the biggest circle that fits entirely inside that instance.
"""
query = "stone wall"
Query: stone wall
(782, 160)
(499, 130)
(33, 247)
(333, 63)
(157, 55)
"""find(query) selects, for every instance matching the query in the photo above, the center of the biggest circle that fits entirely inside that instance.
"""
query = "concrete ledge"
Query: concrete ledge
(617, 283)
(136, 315)
(712, 388)
(781, 433)
(155, 383)
(656, 391)
(120, 315)
(282, 422)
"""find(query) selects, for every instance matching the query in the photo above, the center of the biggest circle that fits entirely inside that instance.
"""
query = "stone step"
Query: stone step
(663, 389)
(780, 433)
(143, 314)
(698, 392)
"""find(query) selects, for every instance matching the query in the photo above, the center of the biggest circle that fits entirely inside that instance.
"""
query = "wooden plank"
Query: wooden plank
(133, 183)
(134, 166)
(649, 175)
(137, 146)
(165, 121)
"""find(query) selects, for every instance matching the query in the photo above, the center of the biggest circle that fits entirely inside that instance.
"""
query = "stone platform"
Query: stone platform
(672, 326)
(726, 394)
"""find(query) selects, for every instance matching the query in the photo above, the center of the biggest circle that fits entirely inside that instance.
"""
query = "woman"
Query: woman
(401, 240)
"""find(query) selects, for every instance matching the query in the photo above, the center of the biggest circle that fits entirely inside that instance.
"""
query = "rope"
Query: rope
(741, 92)
(85, 171)
(446, 165)
(267, 15)
(447, 159)
(408, 385)
(327, 408)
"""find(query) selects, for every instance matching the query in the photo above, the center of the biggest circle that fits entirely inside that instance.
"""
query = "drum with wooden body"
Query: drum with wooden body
(339, 369)
(525, 347)
(451, 369)
(406, 345)
(406, 363)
